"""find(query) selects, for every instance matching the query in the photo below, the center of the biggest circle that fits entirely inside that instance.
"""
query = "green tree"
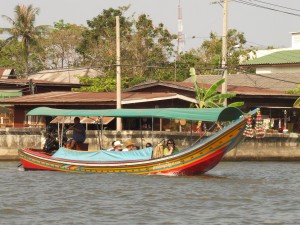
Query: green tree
(210, 53)
(294, 91)
(98, 45)
(145, 48)
(60, 45)
(23, 28)
(11, 55)
(150, 47)
(101, 84)
(185, 61)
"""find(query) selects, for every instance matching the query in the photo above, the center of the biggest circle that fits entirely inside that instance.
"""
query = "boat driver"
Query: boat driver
(79, 134)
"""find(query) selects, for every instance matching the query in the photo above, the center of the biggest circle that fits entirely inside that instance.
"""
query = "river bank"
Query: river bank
(273, 147)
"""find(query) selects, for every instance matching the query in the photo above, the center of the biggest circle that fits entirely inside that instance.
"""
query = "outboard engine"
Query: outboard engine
(51, 142)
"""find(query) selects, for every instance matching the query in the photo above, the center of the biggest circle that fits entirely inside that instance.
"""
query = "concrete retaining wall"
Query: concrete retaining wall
(280, 147)
(273, 147)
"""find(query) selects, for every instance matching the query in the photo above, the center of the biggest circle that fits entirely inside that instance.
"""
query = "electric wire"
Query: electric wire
(264, 7)
(280, 6)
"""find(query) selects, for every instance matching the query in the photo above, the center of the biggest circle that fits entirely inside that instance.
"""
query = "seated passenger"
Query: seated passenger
(112, 146)
(171, 148)
(129, 146)
(148, 145)
(117, 146)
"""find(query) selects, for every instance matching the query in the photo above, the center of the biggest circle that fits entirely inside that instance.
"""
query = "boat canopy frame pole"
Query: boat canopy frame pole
(141, 130)
(61, 137)
(58, 133)
(152, 126)
(191, 136)
(100, 134)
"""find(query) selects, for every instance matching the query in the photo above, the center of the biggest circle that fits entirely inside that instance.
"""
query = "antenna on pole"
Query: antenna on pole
(181, 38)
(180, 35)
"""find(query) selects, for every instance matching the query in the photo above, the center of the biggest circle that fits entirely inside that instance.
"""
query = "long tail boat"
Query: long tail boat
(195, 159)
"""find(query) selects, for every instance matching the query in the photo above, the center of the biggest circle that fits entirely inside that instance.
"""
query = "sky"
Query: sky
(262, 27)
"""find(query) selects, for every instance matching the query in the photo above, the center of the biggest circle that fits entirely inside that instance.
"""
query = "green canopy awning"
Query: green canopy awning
(205, 114)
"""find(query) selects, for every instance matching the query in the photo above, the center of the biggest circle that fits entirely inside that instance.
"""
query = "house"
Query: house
(147, 95)
(92, 100)
(286, 61)
(11, 88)
(26, 87)
(7, 73)
(280, 60)
(249, 90)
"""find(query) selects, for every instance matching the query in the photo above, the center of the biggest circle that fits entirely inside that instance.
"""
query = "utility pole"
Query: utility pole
(224, 49)
(31, 87)
(118, 71)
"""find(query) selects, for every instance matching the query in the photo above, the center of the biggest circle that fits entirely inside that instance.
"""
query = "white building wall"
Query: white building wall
(295, 36)
(295, 40)
(266, 70)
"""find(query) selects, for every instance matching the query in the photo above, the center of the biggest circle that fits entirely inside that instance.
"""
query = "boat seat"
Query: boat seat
(82, 146)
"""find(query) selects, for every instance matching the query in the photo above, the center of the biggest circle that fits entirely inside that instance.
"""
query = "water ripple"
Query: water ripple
(232, 193)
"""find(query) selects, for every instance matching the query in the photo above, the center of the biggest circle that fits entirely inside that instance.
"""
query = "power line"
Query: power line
(264, 7)
(276, 5)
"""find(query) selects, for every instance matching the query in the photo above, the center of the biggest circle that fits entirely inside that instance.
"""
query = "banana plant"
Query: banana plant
(297, 103)
(211, 98)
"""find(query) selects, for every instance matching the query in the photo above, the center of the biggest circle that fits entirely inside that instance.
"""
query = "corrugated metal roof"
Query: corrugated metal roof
(280, 57)
(88, 98)
(172, 84)
(37, 82)
(237, 89)
(65, 75)
(276, 81)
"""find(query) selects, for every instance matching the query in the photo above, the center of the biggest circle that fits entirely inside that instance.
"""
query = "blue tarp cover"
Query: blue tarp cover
(103, 155)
